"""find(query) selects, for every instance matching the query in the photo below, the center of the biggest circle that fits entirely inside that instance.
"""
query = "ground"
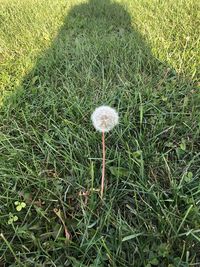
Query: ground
(61, 59)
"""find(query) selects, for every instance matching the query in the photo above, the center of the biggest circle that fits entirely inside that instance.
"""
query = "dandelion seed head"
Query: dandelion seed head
(104, 118)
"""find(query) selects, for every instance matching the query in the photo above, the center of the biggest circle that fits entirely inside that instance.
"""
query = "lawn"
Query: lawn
(61, 59)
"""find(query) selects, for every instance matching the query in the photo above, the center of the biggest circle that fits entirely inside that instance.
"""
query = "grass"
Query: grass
(61, 59)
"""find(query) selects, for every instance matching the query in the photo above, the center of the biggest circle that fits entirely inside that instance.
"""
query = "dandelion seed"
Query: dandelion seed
(104, 119)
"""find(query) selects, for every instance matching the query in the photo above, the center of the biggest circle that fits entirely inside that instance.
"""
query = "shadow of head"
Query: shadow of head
(99, 16)
(96, 36)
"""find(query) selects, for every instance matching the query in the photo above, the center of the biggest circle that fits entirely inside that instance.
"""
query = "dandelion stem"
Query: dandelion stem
(103, 164)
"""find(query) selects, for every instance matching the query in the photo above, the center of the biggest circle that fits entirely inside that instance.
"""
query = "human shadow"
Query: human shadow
(98, 57)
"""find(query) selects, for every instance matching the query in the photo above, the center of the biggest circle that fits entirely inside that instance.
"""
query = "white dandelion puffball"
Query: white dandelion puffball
(104, 118)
